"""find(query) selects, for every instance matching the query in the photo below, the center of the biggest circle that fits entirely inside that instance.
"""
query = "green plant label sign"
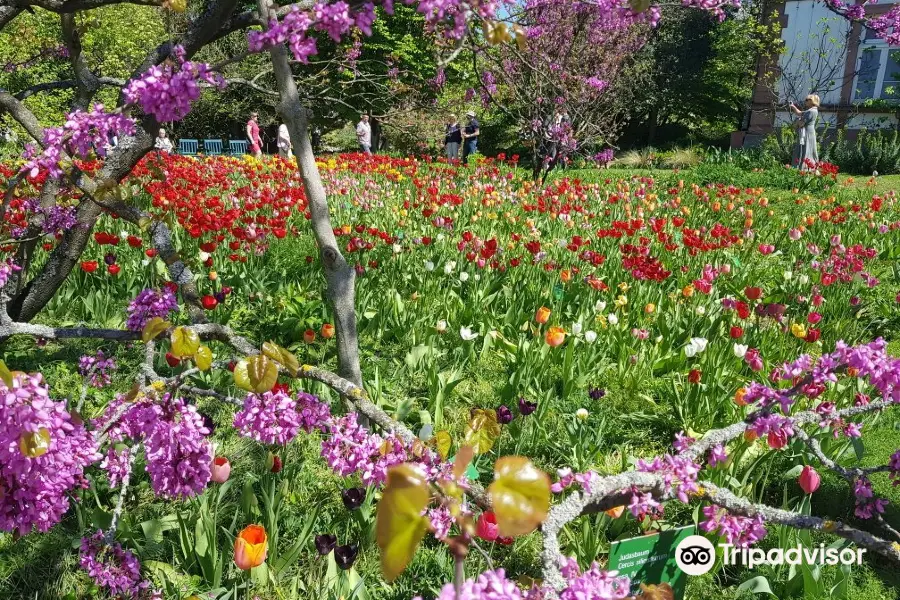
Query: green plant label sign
(650, 559)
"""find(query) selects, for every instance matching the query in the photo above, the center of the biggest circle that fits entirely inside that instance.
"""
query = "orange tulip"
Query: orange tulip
(739, 397)
(616, 512)
(565, 275)
(250, 547)
(688, 291)
(309, 336)
(555, 336)
(327, 331)
(542, 315)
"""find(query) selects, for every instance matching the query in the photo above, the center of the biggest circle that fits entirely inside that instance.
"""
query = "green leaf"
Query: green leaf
(256, 374)
(399, 524)
(282, 356)
(520, 495)
(153, 328)
(203, 358)
(482, 431)
(185, 342)
(756, 585)
(6, 375)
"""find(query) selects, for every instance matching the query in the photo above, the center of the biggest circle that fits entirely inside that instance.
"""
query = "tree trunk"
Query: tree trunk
(376, 134)
(62, 260)
(651, 125)
(340, 277)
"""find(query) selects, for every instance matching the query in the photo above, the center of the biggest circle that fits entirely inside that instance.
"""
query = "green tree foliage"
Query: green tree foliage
(114, 40)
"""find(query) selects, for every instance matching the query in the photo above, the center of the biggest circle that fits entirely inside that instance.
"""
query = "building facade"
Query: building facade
(856, 75)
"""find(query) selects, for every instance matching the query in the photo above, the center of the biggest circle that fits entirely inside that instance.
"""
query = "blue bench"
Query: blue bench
(238, 147)
(188, 147)
(212, 147)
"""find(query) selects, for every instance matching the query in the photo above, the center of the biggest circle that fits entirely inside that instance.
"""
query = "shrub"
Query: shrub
(682, 158)
(871, 151)
(778, 148)
(645, 158)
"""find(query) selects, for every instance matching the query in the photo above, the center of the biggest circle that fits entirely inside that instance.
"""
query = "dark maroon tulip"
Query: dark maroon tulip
(526, 407)
(504, 415)
(345, 556)
(596, 393)
(353, 498)
(325, 543)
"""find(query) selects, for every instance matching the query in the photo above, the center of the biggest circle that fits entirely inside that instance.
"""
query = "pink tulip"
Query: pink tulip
(220, 470)
(809, 480)
(487, 528)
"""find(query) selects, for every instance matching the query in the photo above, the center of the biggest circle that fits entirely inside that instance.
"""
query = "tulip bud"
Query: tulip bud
(220, 470)
(809, 480)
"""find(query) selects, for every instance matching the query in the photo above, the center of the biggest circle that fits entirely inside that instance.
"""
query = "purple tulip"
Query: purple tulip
(504, 415)
(526, 407)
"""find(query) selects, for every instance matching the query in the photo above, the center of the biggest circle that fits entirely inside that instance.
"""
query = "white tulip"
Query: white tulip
(467, 334)
(464, 277)
(576, 328)
(613, 319)
(429, 266)
(804, 279)
(600, 306)
(695, 346)
(449, 267)
(700, 310)
(788, 275)
(398, 248)
(441, 326)
(581, 414)
(740, 350)
(204, 256)
(590, 336)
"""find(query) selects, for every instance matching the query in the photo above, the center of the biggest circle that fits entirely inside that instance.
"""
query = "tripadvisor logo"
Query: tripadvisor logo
(696, 555)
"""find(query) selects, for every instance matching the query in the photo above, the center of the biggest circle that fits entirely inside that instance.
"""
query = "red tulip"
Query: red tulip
(150, 252)
(813, 318)
(208, 302)
(172, 360)
(813, 335)
(753, 293)
(113, 269)
(309, 336)
(809, 480)
(487, 528)
(736, 332)
(89, 266)
(134, 241)
(777, 440)
(694, 375)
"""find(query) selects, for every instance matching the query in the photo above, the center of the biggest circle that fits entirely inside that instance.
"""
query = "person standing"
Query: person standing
(364, 134)
(163, 143)
(253, 135)
(470, 137)
(284, 141)
(453, 138)
(807, 147)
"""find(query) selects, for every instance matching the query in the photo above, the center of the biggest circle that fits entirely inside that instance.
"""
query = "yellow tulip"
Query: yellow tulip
(250, 547)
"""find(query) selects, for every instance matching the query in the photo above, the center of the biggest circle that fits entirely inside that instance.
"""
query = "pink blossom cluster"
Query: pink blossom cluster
(117, 465)
(7, 268)
(490, 585)
(867, 505)
(643, 504)
(334, 18)
(592, 583)
(97, 369)
(894, 466)
(275, 417)
(178, 454)
(167, 91)
(351, 449)
(43, 454)
(679, 473)
(714, 6)
(174, 438)
(737, 530)
(112, 568)
(566, 478)
(82, 133)
(148, 304)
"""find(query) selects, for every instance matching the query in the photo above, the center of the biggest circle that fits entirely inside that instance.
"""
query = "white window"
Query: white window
(877, 70)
